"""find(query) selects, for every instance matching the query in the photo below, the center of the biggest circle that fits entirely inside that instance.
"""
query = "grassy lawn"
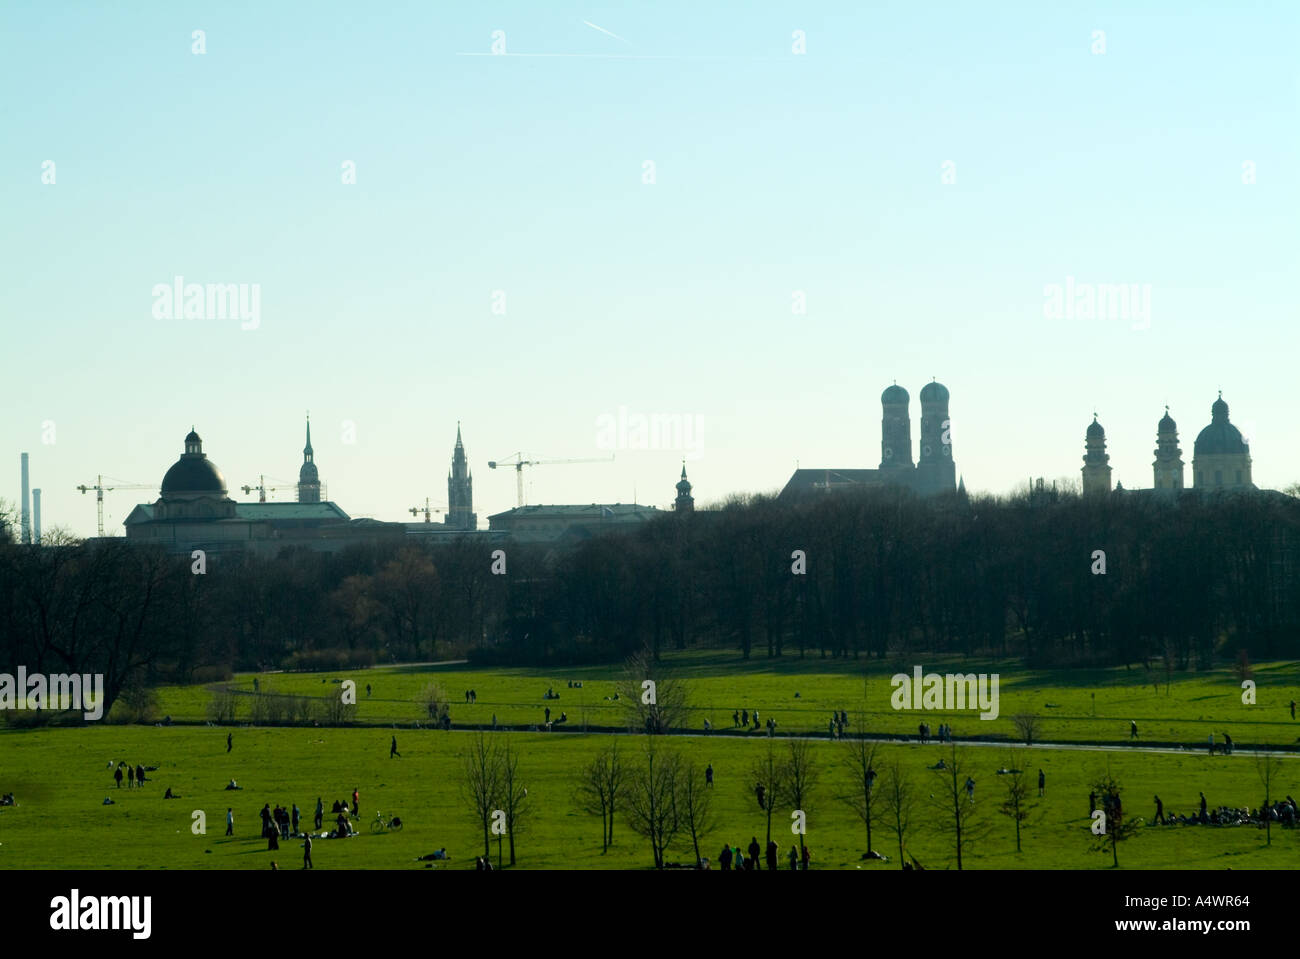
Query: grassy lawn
(62, 775)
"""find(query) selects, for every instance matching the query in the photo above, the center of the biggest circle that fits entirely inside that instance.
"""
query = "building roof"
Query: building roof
(595, 511)
(825, 480)
(292, 513)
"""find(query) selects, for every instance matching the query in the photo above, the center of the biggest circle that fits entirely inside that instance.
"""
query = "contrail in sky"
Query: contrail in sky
(603, 30)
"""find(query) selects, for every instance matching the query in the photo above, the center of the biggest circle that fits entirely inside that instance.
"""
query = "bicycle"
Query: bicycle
(380, 824)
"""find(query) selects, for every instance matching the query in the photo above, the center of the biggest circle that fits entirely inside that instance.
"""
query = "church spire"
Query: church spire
(308, 477)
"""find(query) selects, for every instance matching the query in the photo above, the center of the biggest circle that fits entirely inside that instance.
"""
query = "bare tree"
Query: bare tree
(799, 780)
(1116, 828)
(598, 790)
(769, 772)
(861, 763)
(436, 703)
(657, 707)
(1268, 767)
(956, 799)
(648, 801)
(513, 794)
(899, 802)
(694, 799)
(1016, 804)
(481, 785)
(1027, 726)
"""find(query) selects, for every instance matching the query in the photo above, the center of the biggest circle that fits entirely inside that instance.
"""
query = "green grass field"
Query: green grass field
(61, 775)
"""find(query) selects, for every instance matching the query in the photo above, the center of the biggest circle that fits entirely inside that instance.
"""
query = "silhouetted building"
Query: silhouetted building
(935, 472)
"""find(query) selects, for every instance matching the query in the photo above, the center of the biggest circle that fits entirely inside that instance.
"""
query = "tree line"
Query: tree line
(1055, 578)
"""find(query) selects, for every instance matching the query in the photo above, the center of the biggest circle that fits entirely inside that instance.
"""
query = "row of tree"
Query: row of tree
(1055, 578)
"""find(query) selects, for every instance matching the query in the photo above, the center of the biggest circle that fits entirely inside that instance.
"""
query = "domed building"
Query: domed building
(1220, 458)
(194, 489)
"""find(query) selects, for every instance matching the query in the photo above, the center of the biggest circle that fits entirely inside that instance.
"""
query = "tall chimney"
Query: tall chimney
(36, 515)
(26, 524)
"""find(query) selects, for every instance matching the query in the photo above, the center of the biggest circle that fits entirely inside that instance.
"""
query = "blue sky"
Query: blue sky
(774, 172)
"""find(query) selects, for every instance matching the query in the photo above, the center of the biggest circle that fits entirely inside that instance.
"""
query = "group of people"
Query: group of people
(732, 857)
(8, 798)
(740, 720)
(838, 721)
(134, 775)
(471, 696)
(1283, 812)
(563, 718)
(945, 733)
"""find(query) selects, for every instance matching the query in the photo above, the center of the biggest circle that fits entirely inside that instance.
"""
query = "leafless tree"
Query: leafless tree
(1117, 827)
(657, 708)
(513, 794)
(899, 802)
(648, 802)
(769, 771)
(481, 782)
(435, 702)
(956, 801)
(860, 760)
(1016, 804)
(799, 779)
(1027, 726)
(1268, 767)
(598, 790)
(694, 799)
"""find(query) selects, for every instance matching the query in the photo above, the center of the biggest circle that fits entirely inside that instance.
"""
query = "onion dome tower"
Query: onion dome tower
(1096, 468)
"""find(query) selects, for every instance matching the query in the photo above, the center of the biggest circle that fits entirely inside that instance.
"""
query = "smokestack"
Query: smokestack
(36, 515)
(26, 524)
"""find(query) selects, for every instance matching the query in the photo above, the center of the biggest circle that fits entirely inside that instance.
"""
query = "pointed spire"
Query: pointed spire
(458, 442)
(308, 448)
(683, 469)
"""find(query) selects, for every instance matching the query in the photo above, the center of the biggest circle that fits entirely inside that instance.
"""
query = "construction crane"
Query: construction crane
(263, 489)
(100, 489)
(519, 463)
(426, 510)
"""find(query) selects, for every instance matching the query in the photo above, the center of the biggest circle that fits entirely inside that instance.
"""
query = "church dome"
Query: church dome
(1167, 424)
(1095, 429)
(934, 393)
(193, 472)
(308, 473)
(894, 395)
(1220, 436)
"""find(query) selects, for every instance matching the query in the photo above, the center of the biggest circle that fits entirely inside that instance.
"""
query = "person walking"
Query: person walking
(320, 812)
(724, 858)
(970, 788)
(230, 741)
(230, 821)
(1160, 811)
(1132, 729)
(1042, 782)
(306, 854)
(794, 858)
(708, 774)
(130, 776)
(1227, 744)
(772, 853)
(117, 774)
(297, 815)
(754, 851)
(1202, 807)
(1293, 709)
(392, 750)
(807, 857)
(356, 803)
